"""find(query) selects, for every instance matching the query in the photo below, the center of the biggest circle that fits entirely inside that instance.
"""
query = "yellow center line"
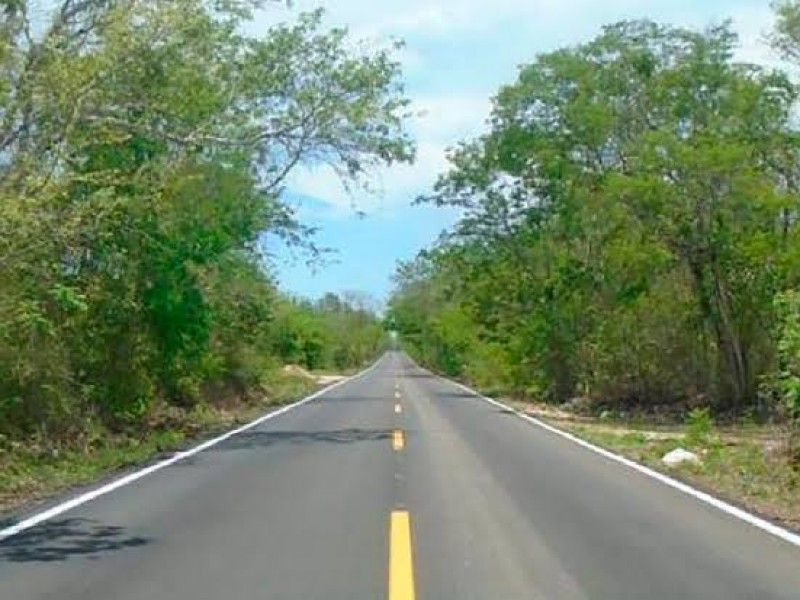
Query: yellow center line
(401, 563)
(398, 440)
(398, 409)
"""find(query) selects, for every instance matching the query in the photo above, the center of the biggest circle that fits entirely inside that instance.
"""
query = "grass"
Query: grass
(37, 469)
(28, 474)
(742, 464)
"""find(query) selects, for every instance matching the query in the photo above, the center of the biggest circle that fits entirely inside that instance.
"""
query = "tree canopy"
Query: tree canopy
(628, 222)
(144, 150)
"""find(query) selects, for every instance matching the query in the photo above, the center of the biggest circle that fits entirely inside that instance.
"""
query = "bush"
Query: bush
(699, 426)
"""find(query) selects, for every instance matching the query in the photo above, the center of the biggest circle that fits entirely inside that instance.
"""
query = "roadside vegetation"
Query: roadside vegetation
(144, 150)
(630, 244)
(744, 461)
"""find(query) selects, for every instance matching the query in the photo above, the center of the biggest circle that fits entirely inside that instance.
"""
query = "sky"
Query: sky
(457, 54)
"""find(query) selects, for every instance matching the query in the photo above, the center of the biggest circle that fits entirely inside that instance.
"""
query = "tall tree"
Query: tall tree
(630, 203)
(144, 147)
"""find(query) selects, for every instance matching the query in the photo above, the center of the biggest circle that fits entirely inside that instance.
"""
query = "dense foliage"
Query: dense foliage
(629, 230)
(143, 151)
(334, 333)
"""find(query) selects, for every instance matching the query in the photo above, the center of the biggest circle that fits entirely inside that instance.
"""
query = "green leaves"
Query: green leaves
(787, 379)
(336, 332)
(788, 306)
(626, 223)
(145, 148)
(786, 37)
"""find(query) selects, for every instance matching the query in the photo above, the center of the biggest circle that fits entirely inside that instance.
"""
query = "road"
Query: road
(397, 485)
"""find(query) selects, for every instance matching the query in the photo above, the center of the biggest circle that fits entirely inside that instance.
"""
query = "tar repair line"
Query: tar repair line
(401, 560)
(734, 511)
(135, 476)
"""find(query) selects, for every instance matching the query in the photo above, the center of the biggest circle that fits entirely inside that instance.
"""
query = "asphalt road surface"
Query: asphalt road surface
(397, 485)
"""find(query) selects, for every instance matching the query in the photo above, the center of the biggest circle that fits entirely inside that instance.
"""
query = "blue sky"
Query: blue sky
(457, 53)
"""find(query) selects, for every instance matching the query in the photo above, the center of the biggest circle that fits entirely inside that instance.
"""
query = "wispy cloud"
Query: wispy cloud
(753, 23)
(440, 121)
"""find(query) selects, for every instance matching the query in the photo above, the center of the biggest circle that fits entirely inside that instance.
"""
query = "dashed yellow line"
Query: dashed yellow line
(401, 562)
(398, 439)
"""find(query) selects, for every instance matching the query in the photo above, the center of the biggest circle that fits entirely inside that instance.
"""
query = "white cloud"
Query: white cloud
(429, 17)
(446, 17)
(753, 25)
(389, 187)
(448, 115)
(440, 123)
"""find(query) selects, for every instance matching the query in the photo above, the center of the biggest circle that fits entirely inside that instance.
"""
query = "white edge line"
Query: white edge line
(178, 456)
(730, 509)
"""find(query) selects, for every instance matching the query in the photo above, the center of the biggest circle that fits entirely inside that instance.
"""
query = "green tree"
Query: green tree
(144, 148)
(627, 221)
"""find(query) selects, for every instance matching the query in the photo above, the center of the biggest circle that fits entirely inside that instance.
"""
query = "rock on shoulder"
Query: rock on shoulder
(680, 456)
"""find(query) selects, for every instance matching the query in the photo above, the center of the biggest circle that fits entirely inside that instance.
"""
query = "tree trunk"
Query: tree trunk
(715, 309)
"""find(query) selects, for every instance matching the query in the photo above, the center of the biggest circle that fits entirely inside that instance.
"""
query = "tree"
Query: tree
(144, 147)
(626, 221)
